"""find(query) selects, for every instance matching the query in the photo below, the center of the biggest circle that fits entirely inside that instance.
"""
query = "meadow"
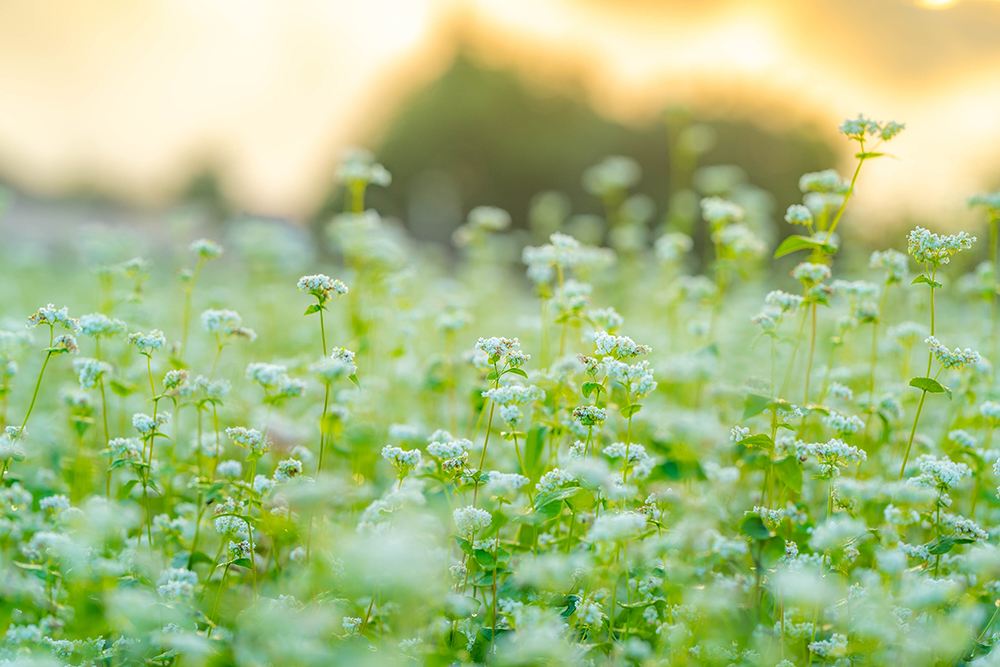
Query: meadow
(688, 446)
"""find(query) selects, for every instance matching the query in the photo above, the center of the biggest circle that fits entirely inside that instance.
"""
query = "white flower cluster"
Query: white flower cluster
(672, 246)
(274, 377)
(90, 371)
(589, 415)
(226, 323)
(177, 584)
(146, 425)
(99, 324)
(250, 438)
(929, 248)
(503, 350)
(810, 274)
(861, 127)
(205, 248)
(895, 264)
(843, 424)
(148, 343)
(322, 287)
(52, 316)
(514, 394)
(797, 214)
(563, 251)
(554, 479)
(470, 520)
(359, 168)
(951, 359)
(404, 460)
(940, 473)
(619, 347)
(636, 378)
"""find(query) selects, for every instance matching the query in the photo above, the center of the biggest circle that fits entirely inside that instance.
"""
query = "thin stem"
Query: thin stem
(812, 350)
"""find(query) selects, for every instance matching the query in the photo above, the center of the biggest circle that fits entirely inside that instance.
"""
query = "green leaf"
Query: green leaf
(590, 387)
(492, 376)
(754, 405)
(790, 473)
(485, 558)
(931, 386)
(354, 378)
(761, 440)
(942, 545)
(126, 488)
(868, 155)
(242, 562)
(753, 526)
(796, 243)
(924, 279)
(516, 371)
(315, 308)
(122, 387)
(630, 410)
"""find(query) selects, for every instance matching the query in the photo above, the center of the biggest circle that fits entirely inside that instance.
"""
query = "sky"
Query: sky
(132, 99)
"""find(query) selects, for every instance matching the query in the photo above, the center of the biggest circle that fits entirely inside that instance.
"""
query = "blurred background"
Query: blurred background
(138, 113)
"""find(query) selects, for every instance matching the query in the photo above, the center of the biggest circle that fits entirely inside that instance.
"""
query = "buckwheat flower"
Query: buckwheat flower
(128, 449)
(322, 287)
(797, 214)
(470, 520)
(940, 473)
(739, 239)
(618, 527)
(177, 584)
(672, 246)
(65, 343)
(56, 502)
(860, 127)
(895, 264)
(823, 204)
(227, 519)
(739, 433)
(497, 349)
(811, 274)
(613, 174)
(287, 469)
(929, 248)
(951, 359)
(352, 625)
(511, 414)
(90, 371)
(239, 551)
(226, 323)
(504, 484)
(359, 168)
(205, 248)
(718, 212)
(637, 378)
(514, 394)
(783, 300)
(174, 379)
(834, 647)
(990, 410)
(963, 438)
(148, 343)
(262, 485)
(449, 449)
(146, 425)
(842, 423)
(823, 182)
(554, 479)
(330, 369)
(404, 460)
(455, 465)
(99, 325)
(230, 468)
(52, 316)
(250, 438)
(489, 218)
(963, 528)
(268, 376)
(214, 389)
(607, 318)
(589, 415)
(619, 347)
(632, 453)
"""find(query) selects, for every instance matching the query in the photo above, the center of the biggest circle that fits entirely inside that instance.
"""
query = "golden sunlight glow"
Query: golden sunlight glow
(136, 97)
